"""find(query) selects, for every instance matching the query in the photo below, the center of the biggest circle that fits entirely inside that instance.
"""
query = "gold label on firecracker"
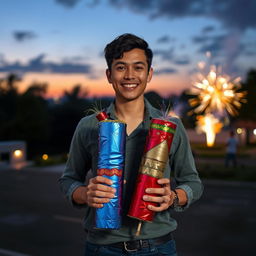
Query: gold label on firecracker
(152, 168)
(159, 152)
(154, 161)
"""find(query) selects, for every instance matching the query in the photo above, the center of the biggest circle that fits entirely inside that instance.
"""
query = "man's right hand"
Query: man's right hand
(96, 193)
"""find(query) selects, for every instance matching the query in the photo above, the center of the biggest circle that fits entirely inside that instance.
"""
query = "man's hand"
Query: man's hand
(164, 196)
(96, 193)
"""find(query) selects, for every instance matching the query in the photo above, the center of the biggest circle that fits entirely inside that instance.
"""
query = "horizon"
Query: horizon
(61, 42)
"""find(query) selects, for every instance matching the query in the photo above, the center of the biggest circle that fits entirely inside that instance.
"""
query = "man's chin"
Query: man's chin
(130, 98)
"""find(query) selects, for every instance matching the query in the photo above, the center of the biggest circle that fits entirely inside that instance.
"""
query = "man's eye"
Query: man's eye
(138, 67)
(120, 68)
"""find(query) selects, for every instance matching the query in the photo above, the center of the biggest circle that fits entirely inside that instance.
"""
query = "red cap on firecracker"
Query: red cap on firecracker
(102, 116)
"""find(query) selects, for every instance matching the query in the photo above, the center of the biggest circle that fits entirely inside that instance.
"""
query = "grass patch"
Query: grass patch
(217, 151)
(219, 171)
(51, 160)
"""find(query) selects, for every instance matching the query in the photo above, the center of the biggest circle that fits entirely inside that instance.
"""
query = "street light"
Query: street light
(18, 153)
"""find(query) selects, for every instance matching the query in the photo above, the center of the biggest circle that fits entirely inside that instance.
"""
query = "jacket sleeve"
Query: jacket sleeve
(78, 164)
(183, 167)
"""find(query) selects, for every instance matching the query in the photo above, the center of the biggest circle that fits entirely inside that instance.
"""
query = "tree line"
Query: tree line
(47, 126)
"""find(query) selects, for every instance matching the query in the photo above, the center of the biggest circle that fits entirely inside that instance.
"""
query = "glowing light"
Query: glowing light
(239, 130)
(210, 126)
(254, 132)
(216, 96)
(45, 157)
(216, 93)
(208, 54)
(18, 153)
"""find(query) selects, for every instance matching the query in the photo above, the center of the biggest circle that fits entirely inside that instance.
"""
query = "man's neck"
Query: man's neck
(131, 112)
(130, 109)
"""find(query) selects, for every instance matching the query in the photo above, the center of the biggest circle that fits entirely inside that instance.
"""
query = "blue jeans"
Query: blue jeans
(168, 248)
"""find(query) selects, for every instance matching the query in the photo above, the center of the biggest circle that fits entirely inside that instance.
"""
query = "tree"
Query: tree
(8, 105)
(65, 117)
(32, 119)
(248, 110)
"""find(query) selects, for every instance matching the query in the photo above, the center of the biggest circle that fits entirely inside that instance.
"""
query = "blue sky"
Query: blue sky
(52, 40)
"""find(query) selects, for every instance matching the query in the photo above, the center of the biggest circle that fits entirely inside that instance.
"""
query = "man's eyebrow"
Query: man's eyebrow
(124, 63)
(119, 63)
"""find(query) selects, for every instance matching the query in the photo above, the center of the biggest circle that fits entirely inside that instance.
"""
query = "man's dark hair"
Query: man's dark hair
(125, 43)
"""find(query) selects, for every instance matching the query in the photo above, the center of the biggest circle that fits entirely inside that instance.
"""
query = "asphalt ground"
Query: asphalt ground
(35, 219)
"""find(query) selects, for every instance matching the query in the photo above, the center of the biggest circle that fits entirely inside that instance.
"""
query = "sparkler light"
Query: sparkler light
(217, 94)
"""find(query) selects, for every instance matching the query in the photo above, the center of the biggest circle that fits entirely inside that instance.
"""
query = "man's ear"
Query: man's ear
(108, 74)
(150, 74)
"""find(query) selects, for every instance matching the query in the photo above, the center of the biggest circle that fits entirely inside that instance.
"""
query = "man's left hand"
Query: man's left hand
(164, 196)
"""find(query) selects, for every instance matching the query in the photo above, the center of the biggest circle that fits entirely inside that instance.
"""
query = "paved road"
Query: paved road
(36, 220)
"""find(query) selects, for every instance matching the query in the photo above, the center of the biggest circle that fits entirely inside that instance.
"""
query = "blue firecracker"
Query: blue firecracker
(112, 135)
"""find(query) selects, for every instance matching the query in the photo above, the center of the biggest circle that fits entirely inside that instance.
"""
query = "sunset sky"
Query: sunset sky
(61, 42)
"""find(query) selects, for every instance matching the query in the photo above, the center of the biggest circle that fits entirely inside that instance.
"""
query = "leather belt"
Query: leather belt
(134, 245)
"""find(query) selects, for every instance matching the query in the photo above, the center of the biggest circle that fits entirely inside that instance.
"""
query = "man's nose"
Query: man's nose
(129, 74)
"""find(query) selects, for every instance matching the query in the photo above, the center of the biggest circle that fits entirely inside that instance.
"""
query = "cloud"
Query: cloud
(213, 44)
(21, 36)
(169, 56)
(182, 60)
(200, 39)
(166, 55)
(67, 3)
(231, 13)
(38, 64)
(165, 71)
(208, 29)
(164, 39)
(249, 48)
(227, 46)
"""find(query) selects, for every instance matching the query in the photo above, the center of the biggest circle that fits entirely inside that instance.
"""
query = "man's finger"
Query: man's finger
(157, 208)
(99, 200)
(164, 181)
(101, 194)
(160, 191)
(95, 205)
(101, 187)
(155, 199)
(101, 179)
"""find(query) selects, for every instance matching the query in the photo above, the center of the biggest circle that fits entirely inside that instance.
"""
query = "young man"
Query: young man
(129, 70)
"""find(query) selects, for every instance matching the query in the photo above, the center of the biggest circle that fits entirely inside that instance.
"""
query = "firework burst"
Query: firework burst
(216, 94)
(217, 97)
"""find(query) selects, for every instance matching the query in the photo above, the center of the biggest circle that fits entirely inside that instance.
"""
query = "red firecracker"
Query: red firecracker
(155, 157)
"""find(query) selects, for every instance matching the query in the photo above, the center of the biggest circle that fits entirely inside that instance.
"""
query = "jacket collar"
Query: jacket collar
(150, 111)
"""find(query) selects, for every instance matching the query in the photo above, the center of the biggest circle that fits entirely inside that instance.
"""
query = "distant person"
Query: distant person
(231, 150)
(129, 70)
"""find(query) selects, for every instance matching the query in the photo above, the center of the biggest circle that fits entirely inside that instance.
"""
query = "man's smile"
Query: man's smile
(129, 85)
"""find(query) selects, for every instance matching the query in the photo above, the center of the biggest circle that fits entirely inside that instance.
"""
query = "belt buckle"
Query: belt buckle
(131, 250)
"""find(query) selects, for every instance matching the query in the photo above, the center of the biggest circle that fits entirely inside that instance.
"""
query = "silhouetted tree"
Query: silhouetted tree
(65, 117)
(247, 112)
(32, 121)
(8, 105)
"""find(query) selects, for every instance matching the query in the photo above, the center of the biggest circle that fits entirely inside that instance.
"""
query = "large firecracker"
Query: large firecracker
(155, 157)
(112, 134)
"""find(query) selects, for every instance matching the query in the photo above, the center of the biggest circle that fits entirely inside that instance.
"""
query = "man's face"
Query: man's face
(129, 75)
